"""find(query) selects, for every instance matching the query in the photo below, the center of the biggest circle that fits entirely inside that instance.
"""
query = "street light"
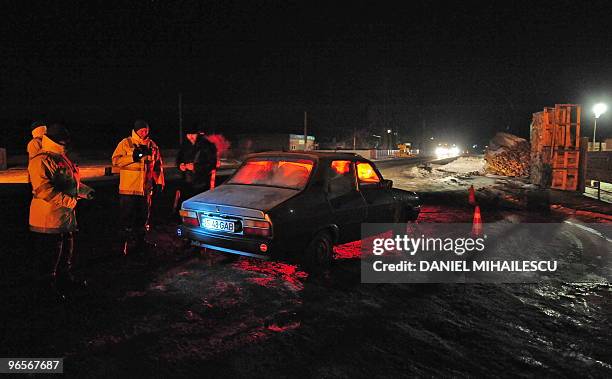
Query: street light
(598, 109)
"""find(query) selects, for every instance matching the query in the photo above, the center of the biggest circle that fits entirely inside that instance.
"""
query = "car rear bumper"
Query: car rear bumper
(228, 244)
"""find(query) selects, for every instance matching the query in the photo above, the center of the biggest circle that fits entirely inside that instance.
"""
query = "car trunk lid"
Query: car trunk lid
(240, 200)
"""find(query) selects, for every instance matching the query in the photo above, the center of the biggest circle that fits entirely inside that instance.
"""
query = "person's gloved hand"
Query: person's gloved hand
(137, 154)
(85, 192)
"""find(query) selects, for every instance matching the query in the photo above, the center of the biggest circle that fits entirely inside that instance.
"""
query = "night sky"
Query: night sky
(459, 71)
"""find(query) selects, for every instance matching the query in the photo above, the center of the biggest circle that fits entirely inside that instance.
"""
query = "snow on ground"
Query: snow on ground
(181, 313)
(498, 192)
(464, 165)
(458, 174)
(587, 216)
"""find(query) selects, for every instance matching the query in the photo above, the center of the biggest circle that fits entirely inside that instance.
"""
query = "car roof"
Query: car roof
(316, 155)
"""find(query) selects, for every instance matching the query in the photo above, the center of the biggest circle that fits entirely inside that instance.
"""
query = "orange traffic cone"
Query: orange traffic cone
(472, 196)
(477, 223)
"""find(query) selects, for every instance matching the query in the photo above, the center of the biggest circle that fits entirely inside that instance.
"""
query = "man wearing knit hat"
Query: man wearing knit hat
(56, 187)
(196, 160)
(140, 174)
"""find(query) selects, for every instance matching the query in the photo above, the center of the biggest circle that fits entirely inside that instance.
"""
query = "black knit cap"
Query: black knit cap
(193, 129)
(140, 124)
(58, 134)
(37, 123)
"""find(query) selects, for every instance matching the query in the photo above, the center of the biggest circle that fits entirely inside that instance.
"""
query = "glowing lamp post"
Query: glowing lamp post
(598, 109)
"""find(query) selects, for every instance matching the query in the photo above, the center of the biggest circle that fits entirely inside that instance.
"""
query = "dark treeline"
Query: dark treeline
(97, 128)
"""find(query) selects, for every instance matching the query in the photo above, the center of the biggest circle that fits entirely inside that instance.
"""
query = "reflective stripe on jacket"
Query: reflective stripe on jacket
(137, 178)
(55, 186)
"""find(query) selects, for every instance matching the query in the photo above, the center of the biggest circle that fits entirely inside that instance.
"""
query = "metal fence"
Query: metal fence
(599, 174)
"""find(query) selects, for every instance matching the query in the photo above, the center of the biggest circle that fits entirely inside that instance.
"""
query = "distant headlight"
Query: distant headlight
(441, 152)
(446, 152)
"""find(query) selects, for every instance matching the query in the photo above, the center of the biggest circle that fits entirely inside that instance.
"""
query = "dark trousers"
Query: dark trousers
(190, 188)
(134, 212)
(187, 191)
(56, 254)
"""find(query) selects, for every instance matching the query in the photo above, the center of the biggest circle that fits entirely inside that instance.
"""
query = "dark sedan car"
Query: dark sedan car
(279, 203)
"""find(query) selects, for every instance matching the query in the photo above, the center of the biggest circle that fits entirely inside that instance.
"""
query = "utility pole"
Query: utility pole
(180, 110)
(594, 132)
(305, 130)
(354, 138)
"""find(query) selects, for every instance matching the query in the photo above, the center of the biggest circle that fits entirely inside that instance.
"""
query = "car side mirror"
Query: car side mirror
(386, 184)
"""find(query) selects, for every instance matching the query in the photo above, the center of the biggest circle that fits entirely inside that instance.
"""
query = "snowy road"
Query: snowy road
(182, 313)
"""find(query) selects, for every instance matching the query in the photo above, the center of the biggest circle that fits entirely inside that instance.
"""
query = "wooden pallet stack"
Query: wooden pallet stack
(555, 146)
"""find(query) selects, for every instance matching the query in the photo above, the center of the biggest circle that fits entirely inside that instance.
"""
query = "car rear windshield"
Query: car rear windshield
(274, 172)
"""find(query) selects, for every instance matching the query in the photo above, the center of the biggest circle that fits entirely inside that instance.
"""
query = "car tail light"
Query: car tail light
(257, 228)
(189, 218)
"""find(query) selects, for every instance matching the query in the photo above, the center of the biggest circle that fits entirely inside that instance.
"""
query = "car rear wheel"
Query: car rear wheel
(319, 253)
(406, 214)
(401, 215)
(413, 215)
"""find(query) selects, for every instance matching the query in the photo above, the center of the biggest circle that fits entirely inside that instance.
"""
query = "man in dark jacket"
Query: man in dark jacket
(196, 161)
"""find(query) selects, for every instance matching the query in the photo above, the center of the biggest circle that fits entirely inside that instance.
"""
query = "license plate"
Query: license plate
(216, 224)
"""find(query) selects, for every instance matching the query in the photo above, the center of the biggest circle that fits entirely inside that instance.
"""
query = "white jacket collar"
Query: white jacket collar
(53, 147)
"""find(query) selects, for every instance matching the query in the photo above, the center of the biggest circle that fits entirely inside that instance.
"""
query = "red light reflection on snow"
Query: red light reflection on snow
(284, 328)
(264, 282)
(352, 250)
(275, 272)
(445, 214)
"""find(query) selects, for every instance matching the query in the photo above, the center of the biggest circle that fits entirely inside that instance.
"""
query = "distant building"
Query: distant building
(605, 145)
(254, 143)
(296, 142)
